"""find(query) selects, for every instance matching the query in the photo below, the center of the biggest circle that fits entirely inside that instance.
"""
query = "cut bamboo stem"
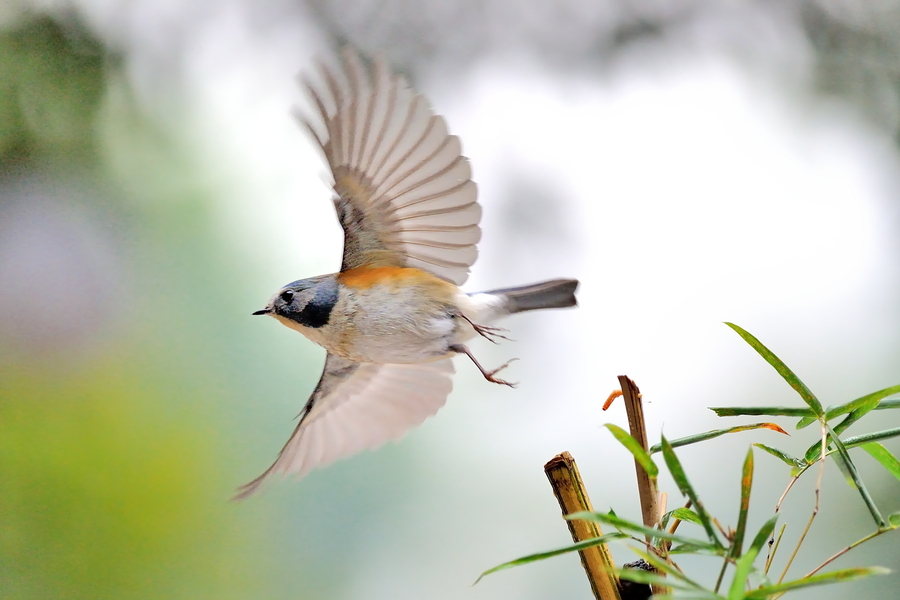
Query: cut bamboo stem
(597, 561)
(647, 489)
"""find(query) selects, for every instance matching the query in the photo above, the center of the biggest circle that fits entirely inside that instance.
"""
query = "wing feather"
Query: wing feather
(396, 170)
(358, 406)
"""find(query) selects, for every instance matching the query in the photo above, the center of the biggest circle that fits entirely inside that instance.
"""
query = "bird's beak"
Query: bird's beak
(264, 311)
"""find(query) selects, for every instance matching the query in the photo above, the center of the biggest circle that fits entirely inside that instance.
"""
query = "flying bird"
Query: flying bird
(394, 315)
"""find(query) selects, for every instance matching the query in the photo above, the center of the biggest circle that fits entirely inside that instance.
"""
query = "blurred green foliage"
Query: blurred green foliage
(111, 478)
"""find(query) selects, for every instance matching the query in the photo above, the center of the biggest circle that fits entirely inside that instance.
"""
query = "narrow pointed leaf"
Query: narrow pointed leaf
(744, 566)
(786, 458)
(845, 472)
(783, 370)
(884, 456)
(686, 514)
(663, 567)
(832, 577)
(706, 549)
(651, 578)
(765, 411)
(708, 435)
(894, 519)
(637, 451)
(874, 400)
(888, 404)
(805, 422)
(863, 491)
(746, 484)
(853, 417)
(680, 477)
(583, 545)
(637, 529)
(859, 440)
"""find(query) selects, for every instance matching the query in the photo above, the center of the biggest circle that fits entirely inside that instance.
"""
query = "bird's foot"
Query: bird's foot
(489, 333)
(489, 375)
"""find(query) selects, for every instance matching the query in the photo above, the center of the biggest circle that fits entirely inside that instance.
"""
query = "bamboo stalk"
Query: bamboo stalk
(597, 561)
(647, 489)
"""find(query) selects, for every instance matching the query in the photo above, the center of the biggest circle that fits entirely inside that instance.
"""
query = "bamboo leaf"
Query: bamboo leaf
(863, 491)
(746, 484)
(764, 593)
(680, 477)
(894, 519)
(744, 566)
(859, 440)
(813, 451)
(708, 435)
(583, 545)
(651, 578)
(804, 422)
(884, 456)
(637, 451)
(662, 566)
(786, 458)
(686, 514)
(783, 370)
(874, 399)
(766, 411)
(637, 529)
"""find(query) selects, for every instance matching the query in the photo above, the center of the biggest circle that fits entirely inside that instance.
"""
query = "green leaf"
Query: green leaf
(894, 519)
(764, 593)
(686, 514)
(854, 474)
(744, 565)
(786, 458)
(884, 456)
(706, 549)
(805, 421)
(544, 555)
(757, 411)
(783, 370)
(638, 529)
(650, 578)
(859, 440)
(662, 566)
(637, 451)
(874, 399)
(700, 437)
(680, 477)
(888, 404)
(813, 451)
(746, 484)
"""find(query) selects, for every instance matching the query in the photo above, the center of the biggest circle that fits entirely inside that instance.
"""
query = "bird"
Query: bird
(394, 315)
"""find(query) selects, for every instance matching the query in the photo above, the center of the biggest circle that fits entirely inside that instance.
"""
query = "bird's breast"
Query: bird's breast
(391, 315)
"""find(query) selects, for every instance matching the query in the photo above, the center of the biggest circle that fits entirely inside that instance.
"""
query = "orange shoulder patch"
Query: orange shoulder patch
(366, 277)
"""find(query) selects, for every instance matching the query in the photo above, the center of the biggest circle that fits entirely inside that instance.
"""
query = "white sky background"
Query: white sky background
(683, 191)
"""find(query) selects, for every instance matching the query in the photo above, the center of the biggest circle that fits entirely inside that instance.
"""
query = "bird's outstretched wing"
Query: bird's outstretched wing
(358, 406)
(404, 193)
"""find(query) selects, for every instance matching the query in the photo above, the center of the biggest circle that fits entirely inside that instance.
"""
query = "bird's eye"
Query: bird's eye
(287, 296)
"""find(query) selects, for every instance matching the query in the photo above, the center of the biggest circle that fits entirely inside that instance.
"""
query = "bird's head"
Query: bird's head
(307, 302)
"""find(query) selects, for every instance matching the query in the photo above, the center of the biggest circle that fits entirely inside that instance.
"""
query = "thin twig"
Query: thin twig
(848, 549)
(815, 508)
(771, 555)
(597, 561)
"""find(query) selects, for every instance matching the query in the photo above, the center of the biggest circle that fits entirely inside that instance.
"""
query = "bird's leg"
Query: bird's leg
(489, 375)
(488, 333)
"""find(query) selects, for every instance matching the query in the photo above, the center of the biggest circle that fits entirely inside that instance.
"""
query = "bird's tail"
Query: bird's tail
(556, 293)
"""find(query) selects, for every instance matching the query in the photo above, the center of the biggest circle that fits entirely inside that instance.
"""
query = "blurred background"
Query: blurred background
(691, 162)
